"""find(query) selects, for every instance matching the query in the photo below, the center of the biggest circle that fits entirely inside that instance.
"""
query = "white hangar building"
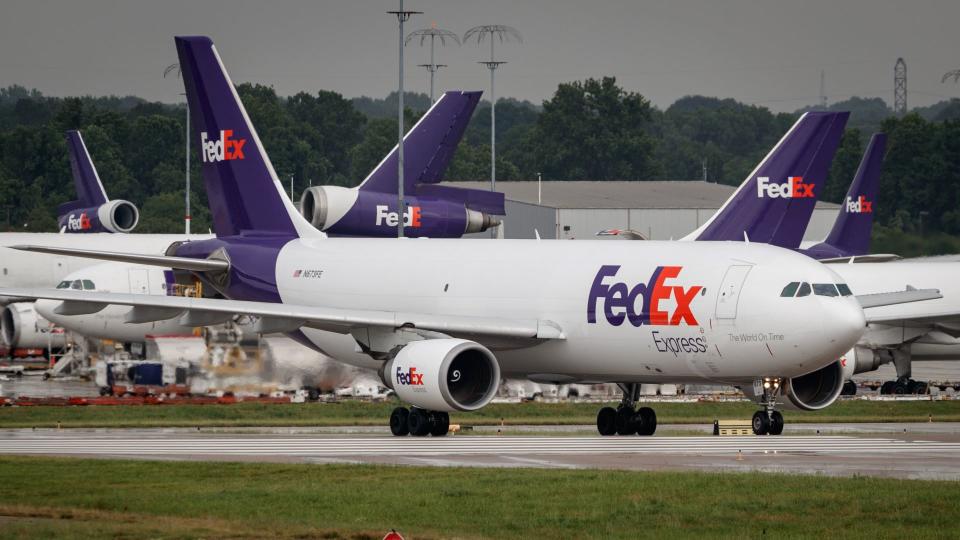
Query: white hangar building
(660, 210)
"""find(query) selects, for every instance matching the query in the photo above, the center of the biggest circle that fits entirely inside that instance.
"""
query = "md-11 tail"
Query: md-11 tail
(93, 211)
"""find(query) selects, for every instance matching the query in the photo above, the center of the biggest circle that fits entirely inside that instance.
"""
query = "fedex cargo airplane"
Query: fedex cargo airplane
(92, 212)
(442, 329)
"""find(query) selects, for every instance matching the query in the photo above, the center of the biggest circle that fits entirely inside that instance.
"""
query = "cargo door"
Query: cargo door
(139, 280)
(729, 294)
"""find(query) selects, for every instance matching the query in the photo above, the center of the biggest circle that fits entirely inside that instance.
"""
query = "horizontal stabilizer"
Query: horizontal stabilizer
(871, 258)
(180, 263)
(899, 297)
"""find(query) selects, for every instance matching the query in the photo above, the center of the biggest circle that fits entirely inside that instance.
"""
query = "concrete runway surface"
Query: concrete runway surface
(934, 454)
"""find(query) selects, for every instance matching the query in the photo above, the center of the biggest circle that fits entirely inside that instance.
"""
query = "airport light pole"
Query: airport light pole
(186, 196)
(402, 17)
(433, 33)
(503, 33)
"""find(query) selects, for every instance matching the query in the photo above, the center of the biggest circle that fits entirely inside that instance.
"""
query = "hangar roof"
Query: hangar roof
(618, 194)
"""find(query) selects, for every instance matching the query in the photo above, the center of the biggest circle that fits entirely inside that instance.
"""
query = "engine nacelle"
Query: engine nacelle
(443, 375)
(816, 390)
(22, 328)
(116, 216)
(351, 212)
(861, 360)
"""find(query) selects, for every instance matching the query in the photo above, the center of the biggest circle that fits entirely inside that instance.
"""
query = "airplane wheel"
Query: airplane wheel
(607, 421)
(646, 420)
(624, 421)
(441, 424)
(918, 387)
(849, 389)
(776, 423)
(887, 388)
(399, 422)
(419, 422)
(761, 423)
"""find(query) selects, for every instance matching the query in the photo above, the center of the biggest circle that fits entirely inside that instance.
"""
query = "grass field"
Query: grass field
(71, 498)
(362, 413)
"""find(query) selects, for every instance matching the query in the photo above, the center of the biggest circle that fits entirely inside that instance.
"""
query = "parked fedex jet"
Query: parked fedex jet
(442, 329)
(92, 212)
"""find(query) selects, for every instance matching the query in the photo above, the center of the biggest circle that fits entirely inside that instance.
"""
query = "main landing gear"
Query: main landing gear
(904, 385)
(624, 420)
(419, 422)
(768, 421)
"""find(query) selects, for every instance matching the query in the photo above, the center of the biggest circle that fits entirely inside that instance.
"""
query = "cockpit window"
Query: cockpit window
(88, 285)
(63, 285)
(844, 289)
(825, 289)
(804, 289)
(76, 285)
(790, 289)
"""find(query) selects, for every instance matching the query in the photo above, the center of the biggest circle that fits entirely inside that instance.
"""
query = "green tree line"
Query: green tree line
(588, 130)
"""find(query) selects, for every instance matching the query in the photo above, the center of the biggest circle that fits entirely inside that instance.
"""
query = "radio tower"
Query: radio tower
(900, 88)
(502, 33)
(434, 34)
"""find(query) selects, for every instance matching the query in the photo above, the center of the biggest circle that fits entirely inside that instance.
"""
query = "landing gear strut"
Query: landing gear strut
(625, 420)
(768, 421)
(418, 422)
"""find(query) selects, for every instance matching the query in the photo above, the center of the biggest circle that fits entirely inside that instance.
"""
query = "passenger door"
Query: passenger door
(729, 294)
(139, 281)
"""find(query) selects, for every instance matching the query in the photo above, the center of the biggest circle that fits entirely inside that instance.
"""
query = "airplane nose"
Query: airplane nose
(846, 324)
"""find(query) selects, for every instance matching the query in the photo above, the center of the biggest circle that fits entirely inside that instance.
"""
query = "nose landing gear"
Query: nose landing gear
(768, 421)
(625, 420)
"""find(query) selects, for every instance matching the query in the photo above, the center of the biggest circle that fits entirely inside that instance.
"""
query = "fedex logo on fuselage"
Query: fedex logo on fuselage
(411, 218)
(793, 188)
(81, 223)
(409, 377)
(641, 305)
(223, 149)
(859, 206)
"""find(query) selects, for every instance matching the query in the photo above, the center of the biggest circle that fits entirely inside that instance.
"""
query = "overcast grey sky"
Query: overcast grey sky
(765, 52)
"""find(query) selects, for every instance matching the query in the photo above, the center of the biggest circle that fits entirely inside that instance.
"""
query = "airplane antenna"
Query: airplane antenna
(434, 34)
(502, 33)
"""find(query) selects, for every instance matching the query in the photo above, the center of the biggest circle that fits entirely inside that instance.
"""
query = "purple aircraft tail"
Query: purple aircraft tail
(774, 204)
(851, 232)
(90, 190)
(242, 187)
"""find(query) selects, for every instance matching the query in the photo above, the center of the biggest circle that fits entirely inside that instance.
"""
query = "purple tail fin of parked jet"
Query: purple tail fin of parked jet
(774, 204)
(92, 211)
(242, 187)
(851, 232)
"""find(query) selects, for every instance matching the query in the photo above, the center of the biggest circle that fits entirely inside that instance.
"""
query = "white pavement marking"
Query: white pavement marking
(450, 446)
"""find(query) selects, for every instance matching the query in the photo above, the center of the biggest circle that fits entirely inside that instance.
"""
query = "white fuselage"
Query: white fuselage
(738, 326)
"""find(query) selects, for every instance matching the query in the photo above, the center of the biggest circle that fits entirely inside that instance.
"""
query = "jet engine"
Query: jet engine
(116, 216)
(819, 389)
(22, 328)
(443, 375)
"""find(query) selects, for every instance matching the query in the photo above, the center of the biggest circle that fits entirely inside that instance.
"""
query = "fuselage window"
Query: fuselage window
(825, 289)
(88, 285)
(804, 289)
(844, 289)
(790, 289)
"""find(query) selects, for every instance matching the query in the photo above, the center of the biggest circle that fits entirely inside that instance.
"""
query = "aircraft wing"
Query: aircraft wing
(276, 317)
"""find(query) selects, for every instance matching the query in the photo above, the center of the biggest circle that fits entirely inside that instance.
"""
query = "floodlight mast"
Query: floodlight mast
(504, 33)
(186, 196)
(434, 34)
(402, 17)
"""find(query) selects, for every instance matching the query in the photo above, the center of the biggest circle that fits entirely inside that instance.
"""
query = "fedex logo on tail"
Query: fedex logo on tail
(81, 223)
(859, 206)
(411, 218)
(621, 302)
(793, 188)
(224, 148)
(409, 377)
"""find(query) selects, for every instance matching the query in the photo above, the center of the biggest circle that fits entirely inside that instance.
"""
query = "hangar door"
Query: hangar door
(730, 289)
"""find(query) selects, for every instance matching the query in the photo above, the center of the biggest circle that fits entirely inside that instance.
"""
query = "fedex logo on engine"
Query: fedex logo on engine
(793, 188)
(859, 206)
(645, 303)
(225, 148)
(411, 218)
(81, 223)
(409, 377)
